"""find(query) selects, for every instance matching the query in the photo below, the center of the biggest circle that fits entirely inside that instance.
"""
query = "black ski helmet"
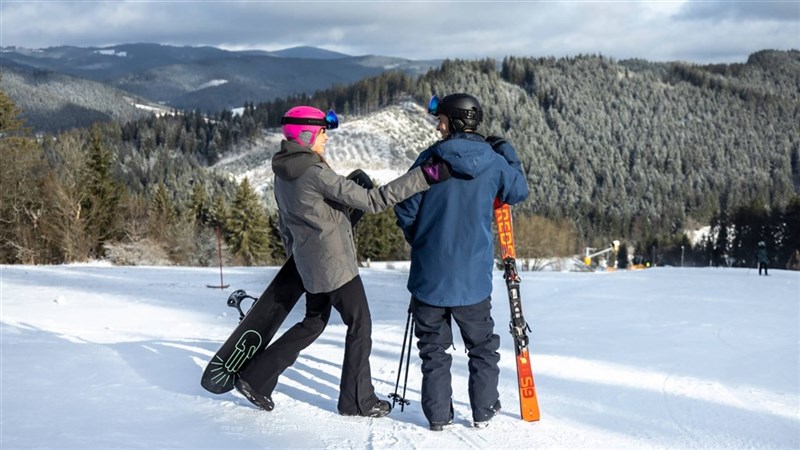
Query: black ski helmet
(462, 110)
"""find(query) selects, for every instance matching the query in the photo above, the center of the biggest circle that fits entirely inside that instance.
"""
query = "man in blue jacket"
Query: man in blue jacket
(449, 228)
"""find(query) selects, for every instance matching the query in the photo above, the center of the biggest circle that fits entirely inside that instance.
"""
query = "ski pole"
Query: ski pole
(408, 364)
(406, 335)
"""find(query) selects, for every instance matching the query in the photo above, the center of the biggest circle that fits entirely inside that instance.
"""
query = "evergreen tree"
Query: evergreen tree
(219, 212)
(162, 212)
(622, 256)
(103, 195)
(788, 235)
(277, 253)
(200, 203)
(247, 227)
(750, 224)
(721, 248)
(21, 207)
(379, 239)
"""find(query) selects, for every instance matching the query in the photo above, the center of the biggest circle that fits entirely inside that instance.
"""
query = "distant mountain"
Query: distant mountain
(307, 52)
(51, 101)
(198, 78)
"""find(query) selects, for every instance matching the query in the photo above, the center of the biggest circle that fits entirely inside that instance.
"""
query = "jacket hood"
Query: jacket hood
(293, 160)
(467, 153)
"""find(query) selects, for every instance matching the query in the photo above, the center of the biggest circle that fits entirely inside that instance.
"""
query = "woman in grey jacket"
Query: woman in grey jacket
(312, 204)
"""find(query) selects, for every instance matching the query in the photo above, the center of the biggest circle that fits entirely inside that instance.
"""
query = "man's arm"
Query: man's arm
(513, 185)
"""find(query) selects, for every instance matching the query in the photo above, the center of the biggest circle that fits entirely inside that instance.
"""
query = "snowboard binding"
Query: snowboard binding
(235, 301)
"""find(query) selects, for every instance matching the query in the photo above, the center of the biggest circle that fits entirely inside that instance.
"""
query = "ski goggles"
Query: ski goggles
(433, 105)
(330, 122)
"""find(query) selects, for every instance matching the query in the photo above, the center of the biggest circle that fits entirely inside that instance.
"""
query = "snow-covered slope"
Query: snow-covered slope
(665, 358)
(384, 144)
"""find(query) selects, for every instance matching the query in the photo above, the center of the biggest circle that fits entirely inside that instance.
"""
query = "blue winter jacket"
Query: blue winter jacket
(449, 226)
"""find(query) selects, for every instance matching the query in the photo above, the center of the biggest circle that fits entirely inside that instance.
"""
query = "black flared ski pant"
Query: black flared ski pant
(356, 392)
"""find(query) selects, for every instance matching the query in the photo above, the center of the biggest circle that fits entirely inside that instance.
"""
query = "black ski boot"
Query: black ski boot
(439, 426)
(380, 409)
(262, 401)
(485, 422)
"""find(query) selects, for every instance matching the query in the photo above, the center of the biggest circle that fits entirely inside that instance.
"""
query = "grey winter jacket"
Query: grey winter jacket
(314, 223)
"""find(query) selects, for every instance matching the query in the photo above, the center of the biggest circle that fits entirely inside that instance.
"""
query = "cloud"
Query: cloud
(697, 31)
(741, 11)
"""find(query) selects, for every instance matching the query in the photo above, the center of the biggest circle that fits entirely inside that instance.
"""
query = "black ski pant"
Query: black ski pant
(356, 392)
(762, 265)
(433, 329)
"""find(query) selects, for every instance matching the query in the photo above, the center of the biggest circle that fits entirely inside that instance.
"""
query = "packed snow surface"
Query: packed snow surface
(98, 357)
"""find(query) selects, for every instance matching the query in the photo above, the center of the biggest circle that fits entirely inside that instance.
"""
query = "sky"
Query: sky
(696, 31)
(94, 356)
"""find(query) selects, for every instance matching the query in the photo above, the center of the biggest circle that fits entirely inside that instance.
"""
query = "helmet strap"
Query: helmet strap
(303, 121)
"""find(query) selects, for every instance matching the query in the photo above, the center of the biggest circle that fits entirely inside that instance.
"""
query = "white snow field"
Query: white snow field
(99, 357)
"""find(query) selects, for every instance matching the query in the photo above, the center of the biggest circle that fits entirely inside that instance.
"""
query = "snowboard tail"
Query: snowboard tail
(528, 402)
(265, 317)
(255, 331)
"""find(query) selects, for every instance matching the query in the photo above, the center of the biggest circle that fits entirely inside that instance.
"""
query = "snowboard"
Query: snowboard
(259, 325)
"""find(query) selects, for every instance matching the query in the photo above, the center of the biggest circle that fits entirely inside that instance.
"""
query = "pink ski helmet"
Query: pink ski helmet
(302, 123)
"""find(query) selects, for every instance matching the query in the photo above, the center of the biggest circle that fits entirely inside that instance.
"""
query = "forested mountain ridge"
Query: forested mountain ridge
(627, 150)
(631, 146)
(52, 101)
(623, 147)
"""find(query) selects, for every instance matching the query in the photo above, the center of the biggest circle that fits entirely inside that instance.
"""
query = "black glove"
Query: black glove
(506, 151)
(435, 170)
(495, 142)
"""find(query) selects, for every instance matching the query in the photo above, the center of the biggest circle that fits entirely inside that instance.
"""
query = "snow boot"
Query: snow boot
(439, 426)
(483, 423)
(380, 409)
(262, 401)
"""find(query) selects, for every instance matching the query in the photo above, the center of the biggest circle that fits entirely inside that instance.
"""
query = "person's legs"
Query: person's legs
(356, 392)
(433, 331)
(262, 372)
(477, 329)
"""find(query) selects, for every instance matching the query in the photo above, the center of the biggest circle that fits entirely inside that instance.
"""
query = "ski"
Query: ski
(528, 403)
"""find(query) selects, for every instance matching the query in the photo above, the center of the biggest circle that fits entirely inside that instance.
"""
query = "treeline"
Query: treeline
(628, 150)
(643, 151)
(208, 138)
(75, 196)
(623, 148)
(734, 236)
(128, 194)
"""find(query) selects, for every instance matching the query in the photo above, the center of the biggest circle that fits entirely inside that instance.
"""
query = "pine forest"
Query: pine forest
(628, 150)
